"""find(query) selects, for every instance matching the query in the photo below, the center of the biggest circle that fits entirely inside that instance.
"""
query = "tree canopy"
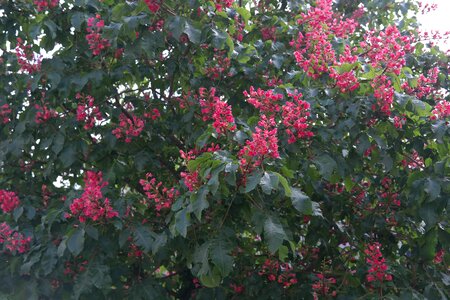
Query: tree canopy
(269, 149)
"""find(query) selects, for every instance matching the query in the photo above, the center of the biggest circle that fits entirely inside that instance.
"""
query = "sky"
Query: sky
(437, 20)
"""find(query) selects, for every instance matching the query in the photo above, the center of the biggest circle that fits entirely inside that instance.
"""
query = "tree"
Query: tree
(222, 149)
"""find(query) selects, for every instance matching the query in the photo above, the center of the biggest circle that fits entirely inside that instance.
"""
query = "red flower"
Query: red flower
(90, 204)
(153, 5)
(295, 118)
(29, 61)
(128, 128)
(264, 101)
(377, 264)
(13, 240)
(44, 4)
(264, 144)
(87, 112)
(95, 40)
(8, 201)
(161, 196)
(217, 110)
(5, 111)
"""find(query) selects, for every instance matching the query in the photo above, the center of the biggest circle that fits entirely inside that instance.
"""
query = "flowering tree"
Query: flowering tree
(273, 149)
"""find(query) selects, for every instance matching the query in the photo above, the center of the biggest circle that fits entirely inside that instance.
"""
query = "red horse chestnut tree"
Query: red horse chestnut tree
(248, 149)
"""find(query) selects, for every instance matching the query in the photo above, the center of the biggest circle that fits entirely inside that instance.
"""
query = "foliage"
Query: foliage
(222, 149)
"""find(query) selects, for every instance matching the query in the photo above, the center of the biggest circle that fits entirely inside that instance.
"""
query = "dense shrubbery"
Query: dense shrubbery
(222, 149)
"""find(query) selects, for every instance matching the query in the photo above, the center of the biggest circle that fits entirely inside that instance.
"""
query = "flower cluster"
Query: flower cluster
(424, 86)
(129, 126)
(94, 37)
(413, 161)
(153, 5)
(399, 121)
(269, 33)
(161, 196)
(425, 8)
(29, 61)
(314, 51)
(280, 272)
(264, 144)
(264, 101)
(8, 201)
(72, 269)
(44, 113)
(386, 49)
(191, 179)
(218, 67)
(439, 256)
(158, 25)
(12, 240)
(383, 93)
(5, 111)
(45, 4)
(223, 3)
(213, 108)
(91, 204)
(441, 110)
(323, 286)
(377, 264)
(295, 118)
(87, 112)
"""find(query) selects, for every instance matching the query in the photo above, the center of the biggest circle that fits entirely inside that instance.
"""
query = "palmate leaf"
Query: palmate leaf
(274, 233)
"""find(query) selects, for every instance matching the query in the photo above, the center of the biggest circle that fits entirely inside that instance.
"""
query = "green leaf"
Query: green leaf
(210, 280)
(176, 25)
(49, 259)
(92, 232)
(269, 182)
(245, 14)
(143, 237)
(193, 33)
(432, 188)
(285, 184)
(301, 201)
(77, 19)
(326, 165)
(199, 202)
(220, 257)
(58, 143)
(182, 222)
(75, 242)
(253, 180)
(201, 257)
(274, 233)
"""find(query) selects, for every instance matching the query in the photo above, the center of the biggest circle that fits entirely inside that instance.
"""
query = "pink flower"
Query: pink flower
(383, 93)
(13, 240)
(295, 118)
(386, 49)
(153, 5)
(213, 108)
(441, 110)
(45, 4)
(5, 112)
(155, 191)
(29, 61)
(264, 144)
(87, 112)
(377, 264)
(44, 114)
(94, 37)
(128, 128)
(264, 101)
(91, 204)
(8, 201)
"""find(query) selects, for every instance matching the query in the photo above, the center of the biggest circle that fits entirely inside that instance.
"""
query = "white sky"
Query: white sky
(437, 20)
